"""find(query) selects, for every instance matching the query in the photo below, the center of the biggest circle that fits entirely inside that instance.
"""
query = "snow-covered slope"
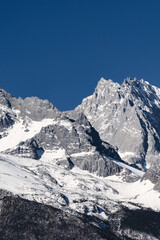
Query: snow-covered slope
(128, 117)
(21, 131)
(49, 183)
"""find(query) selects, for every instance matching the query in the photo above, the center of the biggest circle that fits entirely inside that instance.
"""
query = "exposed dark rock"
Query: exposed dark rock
(6, 120)
(28, 149)
(5, 98)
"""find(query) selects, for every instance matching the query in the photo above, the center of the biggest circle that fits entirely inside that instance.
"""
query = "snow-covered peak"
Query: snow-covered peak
(127, 116)
(103, 84)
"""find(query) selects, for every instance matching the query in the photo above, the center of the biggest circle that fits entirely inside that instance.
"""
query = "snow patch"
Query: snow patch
(19, 132)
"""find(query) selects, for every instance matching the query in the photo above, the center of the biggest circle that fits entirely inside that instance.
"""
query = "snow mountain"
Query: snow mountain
(34, 128)
(128, 117)
(72, 175)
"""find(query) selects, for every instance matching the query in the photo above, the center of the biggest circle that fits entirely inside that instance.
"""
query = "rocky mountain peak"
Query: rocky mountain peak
(130, 81)
(36, 109)
(104, 84)
(11, 109)
(127, 116)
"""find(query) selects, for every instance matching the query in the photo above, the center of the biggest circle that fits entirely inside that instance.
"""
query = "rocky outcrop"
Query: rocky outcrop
(6, 99)
(6, 116)
(6, 120)
(153, 174)
(81, 142)
(28, 149)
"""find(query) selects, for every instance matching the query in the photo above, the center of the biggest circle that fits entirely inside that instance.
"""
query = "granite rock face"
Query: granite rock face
(6, 99)
(13, 110)
(128, 117)
(7, 117)
(36, 109)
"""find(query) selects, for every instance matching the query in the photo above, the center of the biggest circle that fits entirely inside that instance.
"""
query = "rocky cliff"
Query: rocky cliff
(128, 117)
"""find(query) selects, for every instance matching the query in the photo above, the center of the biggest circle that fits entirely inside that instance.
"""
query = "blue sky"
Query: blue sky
(59, 49)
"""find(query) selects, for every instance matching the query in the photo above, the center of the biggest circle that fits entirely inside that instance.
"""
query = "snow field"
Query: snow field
(46, 182)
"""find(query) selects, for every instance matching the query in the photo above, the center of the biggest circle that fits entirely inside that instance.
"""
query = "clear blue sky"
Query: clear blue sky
(59, 49)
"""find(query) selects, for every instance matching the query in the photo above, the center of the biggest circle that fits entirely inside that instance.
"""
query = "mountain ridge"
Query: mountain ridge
(65, 160)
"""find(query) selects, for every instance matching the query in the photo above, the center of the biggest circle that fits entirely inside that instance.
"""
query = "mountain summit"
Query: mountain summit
(128, 117)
